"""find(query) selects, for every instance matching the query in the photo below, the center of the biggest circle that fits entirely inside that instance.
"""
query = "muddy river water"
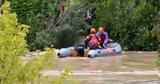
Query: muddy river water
(126, 68)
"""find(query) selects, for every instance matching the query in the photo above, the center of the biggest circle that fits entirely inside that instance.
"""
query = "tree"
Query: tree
(46, 21)
(71, 26)
(39, 14)
(13, 47)
(128, 21)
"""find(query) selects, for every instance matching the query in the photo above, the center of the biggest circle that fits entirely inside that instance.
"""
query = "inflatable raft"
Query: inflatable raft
(112, 48)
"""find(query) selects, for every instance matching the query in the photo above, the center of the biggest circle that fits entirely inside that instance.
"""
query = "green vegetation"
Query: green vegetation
(49, 26)
(37, 14)
(133, 23)
(129, 21)
(158, 61)
(14, 70)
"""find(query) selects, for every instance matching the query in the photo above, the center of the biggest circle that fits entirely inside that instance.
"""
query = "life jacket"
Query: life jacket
(93, 41)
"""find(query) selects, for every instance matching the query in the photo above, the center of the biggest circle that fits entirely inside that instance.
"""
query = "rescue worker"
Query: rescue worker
(92, 39)
(103, 37)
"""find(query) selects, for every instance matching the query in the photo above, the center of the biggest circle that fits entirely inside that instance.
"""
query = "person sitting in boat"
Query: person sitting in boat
(103, 37)
(92, 39)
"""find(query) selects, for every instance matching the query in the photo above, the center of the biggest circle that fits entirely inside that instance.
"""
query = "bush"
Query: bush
(35, 13)
(156, 31)
(44, 39)
(66, 37)
(67, 32)
(71, 26)
(44, 16)
(130, 22)
(13, 70)
(158, 61)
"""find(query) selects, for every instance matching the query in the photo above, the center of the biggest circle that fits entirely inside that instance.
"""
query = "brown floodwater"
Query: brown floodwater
(126, 68)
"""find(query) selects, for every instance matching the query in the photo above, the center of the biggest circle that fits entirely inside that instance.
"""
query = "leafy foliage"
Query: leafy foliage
(44, 16)
(35, 13)
(65, 36)
(71, 25)
(44, 39)
(158, 61)
(129, 22)
(12, 45)
(156, 28)
(13, 48)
